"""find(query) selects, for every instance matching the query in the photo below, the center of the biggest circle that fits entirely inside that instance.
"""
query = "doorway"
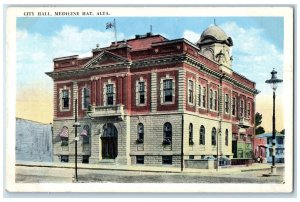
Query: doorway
(109, 141)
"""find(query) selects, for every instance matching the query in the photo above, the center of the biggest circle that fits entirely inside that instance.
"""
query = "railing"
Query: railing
(107, 111)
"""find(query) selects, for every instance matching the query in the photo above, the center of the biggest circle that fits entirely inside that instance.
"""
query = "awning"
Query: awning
(84, 133)
(64, 132)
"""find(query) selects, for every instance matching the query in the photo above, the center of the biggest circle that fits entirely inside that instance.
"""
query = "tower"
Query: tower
(215, 45)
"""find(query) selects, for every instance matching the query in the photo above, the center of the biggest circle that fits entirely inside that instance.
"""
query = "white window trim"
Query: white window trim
(60, 99)
(241, 105)
(114, 92)
(167, 77)
(137, 92)
(193, 90)
(82, 96)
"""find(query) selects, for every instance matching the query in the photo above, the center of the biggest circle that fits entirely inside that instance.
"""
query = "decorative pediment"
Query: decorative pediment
(105, 58)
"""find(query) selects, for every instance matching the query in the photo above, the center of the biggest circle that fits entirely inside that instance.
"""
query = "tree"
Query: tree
(282, 132)
(258, 120)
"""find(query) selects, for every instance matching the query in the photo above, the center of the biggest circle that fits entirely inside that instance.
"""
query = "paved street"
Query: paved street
(26, 174)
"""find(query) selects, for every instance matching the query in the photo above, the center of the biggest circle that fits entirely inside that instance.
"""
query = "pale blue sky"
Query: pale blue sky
(258, 41)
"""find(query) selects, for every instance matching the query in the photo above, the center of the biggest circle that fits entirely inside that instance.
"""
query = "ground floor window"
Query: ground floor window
(191, 156)
(64, 158)
(139, 159)
(85, 159)
(167, 160)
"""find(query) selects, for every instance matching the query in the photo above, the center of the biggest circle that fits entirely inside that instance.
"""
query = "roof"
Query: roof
(214, 34)
(269, 135)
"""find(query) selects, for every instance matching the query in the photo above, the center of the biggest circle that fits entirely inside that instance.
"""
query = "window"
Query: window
(226, 137)
(110, 94)
(64, 136)
(191, 156)
(140, 159)
(279, 140)
(226, 103)
(167, 160)
(233, 106)
(199, 95)
(203, 97)
(140, 132)
(85, 135)
(215, 101)
(191, 142)
(85, 159)
(210, 99)
(65, 99)
(202, 135)
(141, 92)
(191, 90)
(248, 110)
(167, 133)
(168, 90)
(86, 98)
(213, 136)
(242, 136)
(64, 158)
(242, 108)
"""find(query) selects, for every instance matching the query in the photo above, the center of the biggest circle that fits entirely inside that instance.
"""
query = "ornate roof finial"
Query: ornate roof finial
(97, 45)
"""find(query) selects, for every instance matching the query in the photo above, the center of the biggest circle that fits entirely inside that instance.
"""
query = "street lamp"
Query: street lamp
(76, 125)
(274, 81)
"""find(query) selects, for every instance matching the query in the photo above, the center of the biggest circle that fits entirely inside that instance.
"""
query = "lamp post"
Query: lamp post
(273, 82)
(76, 125)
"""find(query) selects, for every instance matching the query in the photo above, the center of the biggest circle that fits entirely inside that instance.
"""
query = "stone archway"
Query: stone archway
(109, 141)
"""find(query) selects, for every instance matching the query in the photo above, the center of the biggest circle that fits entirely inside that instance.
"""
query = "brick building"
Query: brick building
(154, 101)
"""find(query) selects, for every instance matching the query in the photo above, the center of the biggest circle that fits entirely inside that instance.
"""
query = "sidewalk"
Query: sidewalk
(167, 169)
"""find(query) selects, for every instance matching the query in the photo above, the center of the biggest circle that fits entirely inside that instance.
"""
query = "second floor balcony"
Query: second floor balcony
(107, 111)
(244, 122)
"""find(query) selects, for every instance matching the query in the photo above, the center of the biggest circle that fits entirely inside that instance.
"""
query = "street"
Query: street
(26, 174)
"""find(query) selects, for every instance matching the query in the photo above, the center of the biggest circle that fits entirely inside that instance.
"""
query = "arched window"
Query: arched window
(85, 134)
(167, 133)
(213, 136)
(191, 142)
(202, 135)
(226, 137)
(140, 133)
(64, 136)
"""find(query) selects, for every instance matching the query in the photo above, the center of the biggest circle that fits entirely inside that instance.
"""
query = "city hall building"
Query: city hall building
(153, 101)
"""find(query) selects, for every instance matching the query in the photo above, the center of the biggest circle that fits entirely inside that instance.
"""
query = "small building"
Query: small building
(279, 146)
(33, 141)
(259, 148)
(154, 101)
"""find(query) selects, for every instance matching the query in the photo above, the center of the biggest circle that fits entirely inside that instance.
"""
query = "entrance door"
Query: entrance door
(109, 141)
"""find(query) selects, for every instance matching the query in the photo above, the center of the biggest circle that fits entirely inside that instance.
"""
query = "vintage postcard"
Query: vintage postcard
(149, 99)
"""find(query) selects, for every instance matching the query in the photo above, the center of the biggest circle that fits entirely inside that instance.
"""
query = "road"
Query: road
(26, 174)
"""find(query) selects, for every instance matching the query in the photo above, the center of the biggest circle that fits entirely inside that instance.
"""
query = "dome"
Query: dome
(214, 34)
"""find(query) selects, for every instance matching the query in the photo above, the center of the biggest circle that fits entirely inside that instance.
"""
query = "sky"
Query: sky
(257, 49)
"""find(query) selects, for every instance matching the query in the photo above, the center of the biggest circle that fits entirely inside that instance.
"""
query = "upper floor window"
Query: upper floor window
(211, 99)
(233, 106)
(142, 92)
(226, 103)
(248, 110)
(215, 100)
(140, 131)
(85, 98)
(168, 90)
(242, 108)
(191, 91)
(109, 94)
(167, 136)
(226, 137)
(202, 135)
(213, 136)
(65, 99)
(199, 95)
(203, 97)
(191, 142)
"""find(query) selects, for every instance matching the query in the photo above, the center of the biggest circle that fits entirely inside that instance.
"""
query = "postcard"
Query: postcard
(149, 99)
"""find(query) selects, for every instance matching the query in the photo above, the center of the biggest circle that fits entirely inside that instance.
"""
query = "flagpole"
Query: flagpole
(115, 28)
